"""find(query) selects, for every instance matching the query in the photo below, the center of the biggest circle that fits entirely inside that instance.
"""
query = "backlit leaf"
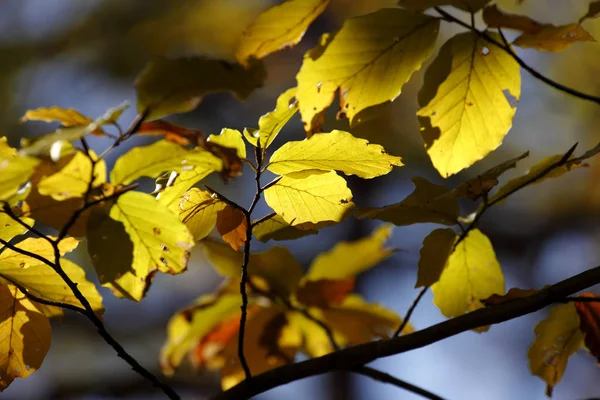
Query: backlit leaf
(15, 170)
(159, 157)
(388, 46)
(422, 5)
(468, 100)
(275, 228)
(270, 124)
(73, 179)
(589, 317)
(471, 273)
(342, 262)
(436, 249)
(9, 228)
(556, 338)
(337, 150)
(187, 327)
(427, 203)
(169, 86)
(25, 336)
(171, 132)
(231, 138)
(197, 209)
(43, 282)
(279, 27)
(310, 196)
(67, 117)
(231, 224)
(41, 145)
(38, 246)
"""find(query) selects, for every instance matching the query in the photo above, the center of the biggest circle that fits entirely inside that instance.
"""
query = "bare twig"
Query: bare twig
(412, 308)
(387, 378)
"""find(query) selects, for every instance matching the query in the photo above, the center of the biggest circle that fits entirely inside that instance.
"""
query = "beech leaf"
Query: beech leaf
(197, 209)
(437, 247)
(270, 124)
(589, 317)
(231, 224)
(275, 228)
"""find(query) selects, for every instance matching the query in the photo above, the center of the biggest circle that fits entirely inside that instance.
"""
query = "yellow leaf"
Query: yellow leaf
(550, 167)
(42, 145)
(388, 46)
(25, 336)
(113, 114)
(15, 170)
(337, 150)
(73, 179)
(9, 228)
(422, 5)
(43, 282)
(198, 210)
(232, 225)
(468, 101)
(37, 246)
(67, 117)
(476, 187)
(276, 228)
(471, 273)
(279, 27)
(557, 338)
(436, 249)
(342, 262)
(231, 138)
(190, 325)
(276, 267)
(156, 238)
(169, 86)
(310, 196)
(270, 124)
(428, 203)
(159, 157)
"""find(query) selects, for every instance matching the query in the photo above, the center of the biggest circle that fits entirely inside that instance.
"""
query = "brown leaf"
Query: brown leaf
(495, 18)
(589, 316)
(171, 132)
(231, 224)
(325, 292)
(232, 164)
(512, 294)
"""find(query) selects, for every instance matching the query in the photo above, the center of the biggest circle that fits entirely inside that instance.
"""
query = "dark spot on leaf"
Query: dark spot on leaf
(347, 105)
(343, 201)
(164, 261)
(433, 113)
(340, 115)
(156, 231)
(469, 103)
(163, 247)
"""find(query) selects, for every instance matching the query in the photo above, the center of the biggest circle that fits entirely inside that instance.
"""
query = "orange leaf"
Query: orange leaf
(512, 294)
(325, 292)
(589, 316)
(231, 224)
(172, 133)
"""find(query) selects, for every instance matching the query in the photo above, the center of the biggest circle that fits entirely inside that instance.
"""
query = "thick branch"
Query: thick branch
(368, 352)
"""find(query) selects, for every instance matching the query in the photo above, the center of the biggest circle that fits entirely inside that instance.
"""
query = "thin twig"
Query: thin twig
(410, 311)
(387, 378)
(573, 92)
(580, 300)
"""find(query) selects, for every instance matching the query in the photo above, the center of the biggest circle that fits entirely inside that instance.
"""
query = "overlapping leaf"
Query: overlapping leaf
(275, 228)
(428, 203)
(471, 273)
(310, 197)
(231, 138)
(468, 101)
(270, 124)
(556, 339)
(169, 86)
(337, 150)
(9, 228)
(589, 317)
(279, 27)
(25, 336)
(232, 226)
(388, 46)
(15, 170)
(198, 210)
(436, 249)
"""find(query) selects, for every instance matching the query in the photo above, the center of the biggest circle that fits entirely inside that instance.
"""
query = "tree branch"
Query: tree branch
(387, 378)
(576, 93)
(368, 352)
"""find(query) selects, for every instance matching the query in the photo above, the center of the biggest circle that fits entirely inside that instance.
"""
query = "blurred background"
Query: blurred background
(86, 54)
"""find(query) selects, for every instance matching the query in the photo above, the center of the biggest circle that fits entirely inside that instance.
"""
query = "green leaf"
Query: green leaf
(342, 261)
(428, 203)
(73, 179)
(471, 274)
(388, 46)
(15, 170)
(337, 150)
(280, 27)
(436, 249)
(25, 336)
(198, 210)
(422, 5)
(231, 138)
(270, 124)
(159, 157)
(159, 241)
(557, 338)
(188, 326)
(310, 197)
(67, 117)
(468, 101)
(169, 86)
(275, 228)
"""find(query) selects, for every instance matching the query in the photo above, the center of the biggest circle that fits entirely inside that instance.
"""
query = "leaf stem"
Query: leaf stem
(410, 311)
